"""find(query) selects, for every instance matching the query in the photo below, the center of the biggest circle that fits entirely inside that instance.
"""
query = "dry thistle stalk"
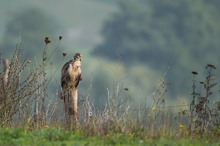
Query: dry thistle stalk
(6, 72)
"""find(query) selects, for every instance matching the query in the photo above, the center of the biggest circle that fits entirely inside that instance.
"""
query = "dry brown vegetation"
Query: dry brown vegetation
(24, 90)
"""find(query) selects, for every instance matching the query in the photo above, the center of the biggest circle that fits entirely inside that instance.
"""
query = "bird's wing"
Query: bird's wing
(65, 76)
(71, 72)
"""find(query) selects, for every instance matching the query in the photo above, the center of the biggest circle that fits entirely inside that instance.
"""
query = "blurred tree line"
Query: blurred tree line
(28, 27)
(181, 34)
(142, 40)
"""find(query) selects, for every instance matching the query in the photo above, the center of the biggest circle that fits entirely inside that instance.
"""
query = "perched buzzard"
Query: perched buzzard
(70, 78)
(71, 73)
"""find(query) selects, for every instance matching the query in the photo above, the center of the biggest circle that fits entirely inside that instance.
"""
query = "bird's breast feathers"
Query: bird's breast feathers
(74, 69)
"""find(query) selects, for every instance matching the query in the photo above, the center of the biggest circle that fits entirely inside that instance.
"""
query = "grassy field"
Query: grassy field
(57, 136)
(26, 118)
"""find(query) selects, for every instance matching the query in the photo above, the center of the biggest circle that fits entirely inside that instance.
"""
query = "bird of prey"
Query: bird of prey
(70, 78)
(71, 72)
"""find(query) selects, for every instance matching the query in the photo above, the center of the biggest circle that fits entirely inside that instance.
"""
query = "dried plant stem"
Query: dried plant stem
(6, 72)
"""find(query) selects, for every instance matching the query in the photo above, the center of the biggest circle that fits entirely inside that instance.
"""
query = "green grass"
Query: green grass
(60, 137)
(24, 121)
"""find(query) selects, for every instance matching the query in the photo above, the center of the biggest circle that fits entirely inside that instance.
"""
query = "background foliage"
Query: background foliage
(139, 42)
(153, 32)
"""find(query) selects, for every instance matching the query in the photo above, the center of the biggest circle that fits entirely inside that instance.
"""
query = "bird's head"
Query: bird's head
(78, 57)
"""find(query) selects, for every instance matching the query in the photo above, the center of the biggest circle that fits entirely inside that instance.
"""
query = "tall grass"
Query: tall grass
(24, 88)
(18, 94)
(203, 114)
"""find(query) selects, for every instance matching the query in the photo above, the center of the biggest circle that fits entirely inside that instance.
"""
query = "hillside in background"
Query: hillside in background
(129, 47)
(174, 36)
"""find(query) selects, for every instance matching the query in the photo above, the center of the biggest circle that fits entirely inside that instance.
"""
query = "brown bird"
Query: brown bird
(71, 72)
(70, 78)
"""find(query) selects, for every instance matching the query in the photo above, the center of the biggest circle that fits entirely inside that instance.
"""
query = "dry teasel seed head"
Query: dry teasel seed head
(211, 66)
(60, 37)
(64, 54)
(47, 40)
(202, 82)
(194, 73)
